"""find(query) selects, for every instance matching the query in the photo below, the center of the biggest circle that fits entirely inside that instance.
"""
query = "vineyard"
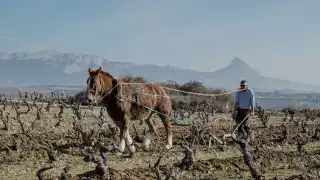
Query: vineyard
(58, 137)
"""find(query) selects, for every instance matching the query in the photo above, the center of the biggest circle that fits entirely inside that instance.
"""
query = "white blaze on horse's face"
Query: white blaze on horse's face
(91, 91)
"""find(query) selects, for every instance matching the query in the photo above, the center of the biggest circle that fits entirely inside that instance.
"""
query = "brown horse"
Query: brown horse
(126, 102)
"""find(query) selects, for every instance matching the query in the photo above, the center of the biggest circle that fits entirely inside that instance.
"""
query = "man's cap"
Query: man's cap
(243, 82)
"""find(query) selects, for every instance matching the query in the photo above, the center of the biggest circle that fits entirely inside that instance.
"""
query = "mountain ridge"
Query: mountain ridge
(53, 67)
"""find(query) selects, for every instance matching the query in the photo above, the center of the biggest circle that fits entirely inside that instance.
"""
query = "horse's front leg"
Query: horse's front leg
(122, 144)
(125, 137)
(129, 142)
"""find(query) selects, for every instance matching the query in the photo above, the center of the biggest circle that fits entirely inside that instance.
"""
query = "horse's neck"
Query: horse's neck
(107, 83)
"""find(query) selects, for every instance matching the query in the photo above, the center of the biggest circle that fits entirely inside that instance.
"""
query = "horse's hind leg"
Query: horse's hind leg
(152, 130)
(167, 125)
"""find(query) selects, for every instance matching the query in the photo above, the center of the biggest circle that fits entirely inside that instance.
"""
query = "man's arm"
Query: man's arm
(236, 102)
(252, 101)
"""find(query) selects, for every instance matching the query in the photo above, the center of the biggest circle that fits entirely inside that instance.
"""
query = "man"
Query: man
(244, 104)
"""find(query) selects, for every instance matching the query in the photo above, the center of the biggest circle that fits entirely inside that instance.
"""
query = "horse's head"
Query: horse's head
(99, 83)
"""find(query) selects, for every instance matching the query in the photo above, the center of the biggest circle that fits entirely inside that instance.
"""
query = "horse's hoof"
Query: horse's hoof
(146, 148)
(119, 153)
(146, 144)
(132, 149)
(168, 146)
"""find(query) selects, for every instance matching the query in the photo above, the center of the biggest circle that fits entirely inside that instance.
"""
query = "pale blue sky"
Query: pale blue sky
(202, 35)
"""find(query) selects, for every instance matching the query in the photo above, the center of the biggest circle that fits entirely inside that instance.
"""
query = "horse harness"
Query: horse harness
(88, 83)
(135, 100)
(134, 97)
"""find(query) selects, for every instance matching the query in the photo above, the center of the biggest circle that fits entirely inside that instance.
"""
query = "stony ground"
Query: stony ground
(23, 154)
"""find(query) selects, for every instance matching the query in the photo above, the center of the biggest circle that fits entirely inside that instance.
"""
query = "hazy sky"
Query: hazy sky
(279, 38)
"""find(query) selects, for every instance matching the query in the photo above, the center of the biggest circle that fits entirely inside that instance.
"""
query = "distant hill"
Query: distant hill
(56, 68)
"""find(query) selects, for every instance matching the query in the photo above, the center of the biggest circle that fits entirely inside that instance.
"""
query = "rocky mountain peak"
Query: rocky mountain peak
(239, 66)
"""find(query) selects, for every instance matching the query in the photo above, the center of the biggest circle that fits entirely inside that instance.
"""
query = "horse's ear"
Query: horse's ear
(99, 70)
(92, 71)
(114, 82)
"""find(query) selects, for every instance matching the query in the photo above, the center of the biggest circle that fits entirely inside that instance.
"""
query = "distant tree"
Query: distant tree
(193, 86)
(172, 84)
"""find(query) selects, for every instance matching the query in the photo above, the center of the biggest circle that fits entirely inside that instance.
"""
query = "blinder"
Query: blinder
(88, 84)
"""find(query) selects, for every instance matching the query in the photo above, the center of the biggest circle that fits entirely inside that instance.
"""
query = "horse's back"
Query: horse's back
(163, 101)
(151, 95)
(155, 91)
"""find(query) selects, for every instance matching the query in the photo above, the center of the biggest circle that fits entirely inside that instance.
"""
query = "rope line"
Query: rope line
(153, 110)
(203, 94)
(171, 117)
(110, 91)
(193, 93)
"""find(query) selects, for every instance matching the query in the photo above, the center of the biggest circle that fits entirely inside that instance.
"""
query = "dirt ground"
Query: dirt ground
(23, 154)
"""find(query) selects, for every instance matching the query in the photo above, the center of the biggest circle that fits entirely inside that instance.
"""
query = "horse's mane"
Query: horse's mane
(132, 79)
(125, 79)
(106, 74)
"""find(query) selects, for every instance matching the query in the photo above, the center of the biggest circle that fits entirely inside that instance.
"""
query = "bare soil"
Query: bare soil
(22, 155)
